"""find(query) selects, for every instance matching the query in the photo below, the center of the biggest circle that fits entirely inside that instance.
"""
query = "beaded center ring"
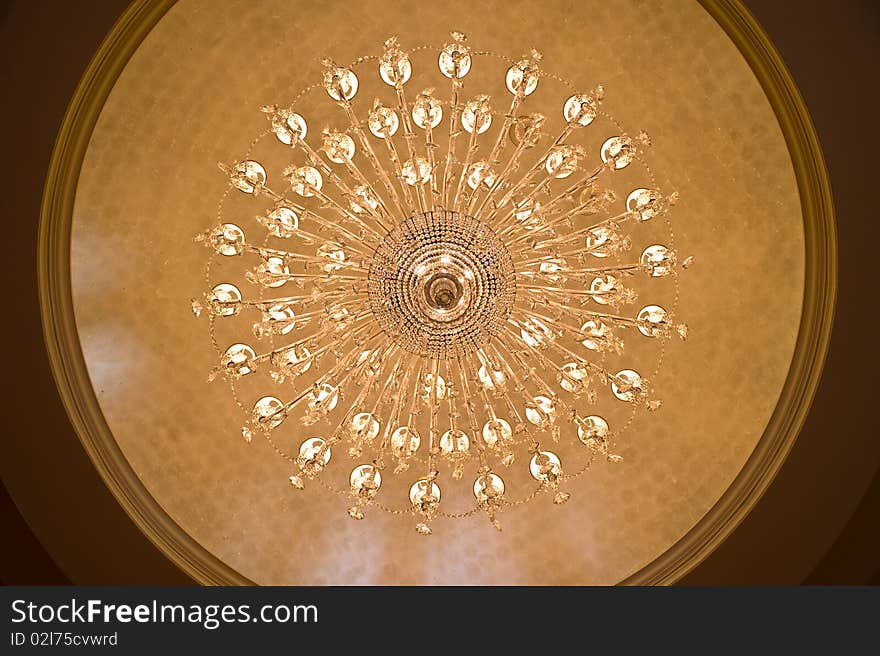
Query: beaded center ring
(441, 284)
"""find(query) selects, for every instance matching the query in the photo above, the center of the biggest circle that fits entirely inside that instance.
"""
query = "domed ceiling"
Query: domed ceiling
(190, 96)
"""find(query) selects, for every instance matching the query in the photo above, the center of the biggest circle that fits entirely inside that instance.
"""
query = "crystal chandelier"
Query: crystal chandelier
(438, 286)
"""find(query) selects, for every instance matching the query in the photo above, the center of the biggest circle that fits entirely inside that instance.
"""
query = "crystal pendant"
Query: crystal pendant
(626, 385)
(652, 320)
(416, 171)
(600, 241)
(522, 78)
(282, 222)
(365, 480)
(341, 84)
(366, 200)
(496, 431)
(491, 379)
(364, 427)
(595, 333)
(427, 111)
(580, 110)
(238, 359)
(225, 300)
(324, 398)
(248, 176)
(535, 332)
(295, 360)
(574, 377)
(476, 116)
(228, 239)
(592, 431)
(288, 127)
(644, 202)
(315, 450)
(273, 272)
(602, 287)
(268, 412)
(545, 465)
(455, 59)
(338, 147)
(454, 442)
(618, 152)
(541, 411)
(488, 487)
(659, 260)
(562, 161)
(306, 181)
(394, 65)
(481, 174)
(335, 255)
(428, 384)
(383, 122)
(405, 441)
(424, 494)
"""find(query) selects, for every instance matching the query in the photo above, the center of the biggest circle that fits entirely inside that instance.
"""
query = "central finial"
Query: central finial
(444, 291)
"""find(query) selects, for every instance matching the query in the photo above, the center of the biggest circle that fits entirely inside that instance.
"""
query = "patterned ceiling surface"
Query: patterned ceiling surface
(191, 96)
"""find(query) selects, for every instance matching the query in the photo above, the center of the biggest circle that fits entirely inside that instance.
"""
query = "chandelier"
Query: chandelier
(439, 286)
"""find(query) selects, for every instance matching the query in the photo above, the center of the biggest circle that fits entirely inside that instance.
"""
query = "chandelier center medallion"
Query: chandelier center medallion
(441, 284)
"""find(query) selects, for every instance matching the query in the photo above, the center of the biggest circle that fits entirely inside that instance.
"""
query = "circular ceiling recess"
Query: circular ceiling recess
(178, 87)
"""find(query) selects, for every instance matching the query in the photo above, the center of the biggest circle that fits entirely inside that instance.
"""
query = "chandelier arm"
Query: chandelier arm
(358, 129)
(627, 322)
(356, 405)
(316, 217)
(410, 196)
(310, 339)
(394, 421)
(576, 188)
(409, 138)
(465, 167)
(542, 185)
(522, 425)
(554, 221)
(534, 169)
(627, 269)
(430, 148)
(574, 292)
(382, 398)
(300, 298)
(541, 384)
(575, 331)
(472, 419)
(383, 212)
(360, 362)
(487, 403)
(340, 184)
(502, 178)
(330, 277)
(355, 371)
(601, 371)
(615, 220)
(433, 409)
(413, 405)
(347, 213)
(288, 256)
(454, 131)
(547, 362)
(509, 119)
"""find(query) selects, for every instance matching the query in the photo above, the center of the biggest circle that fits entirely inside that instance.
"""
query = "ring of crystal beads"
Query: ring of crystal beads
(441, 284)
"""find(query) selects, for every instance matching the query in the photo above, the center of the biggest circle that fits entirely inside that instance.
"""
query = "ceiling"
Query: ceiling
(190, 97)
